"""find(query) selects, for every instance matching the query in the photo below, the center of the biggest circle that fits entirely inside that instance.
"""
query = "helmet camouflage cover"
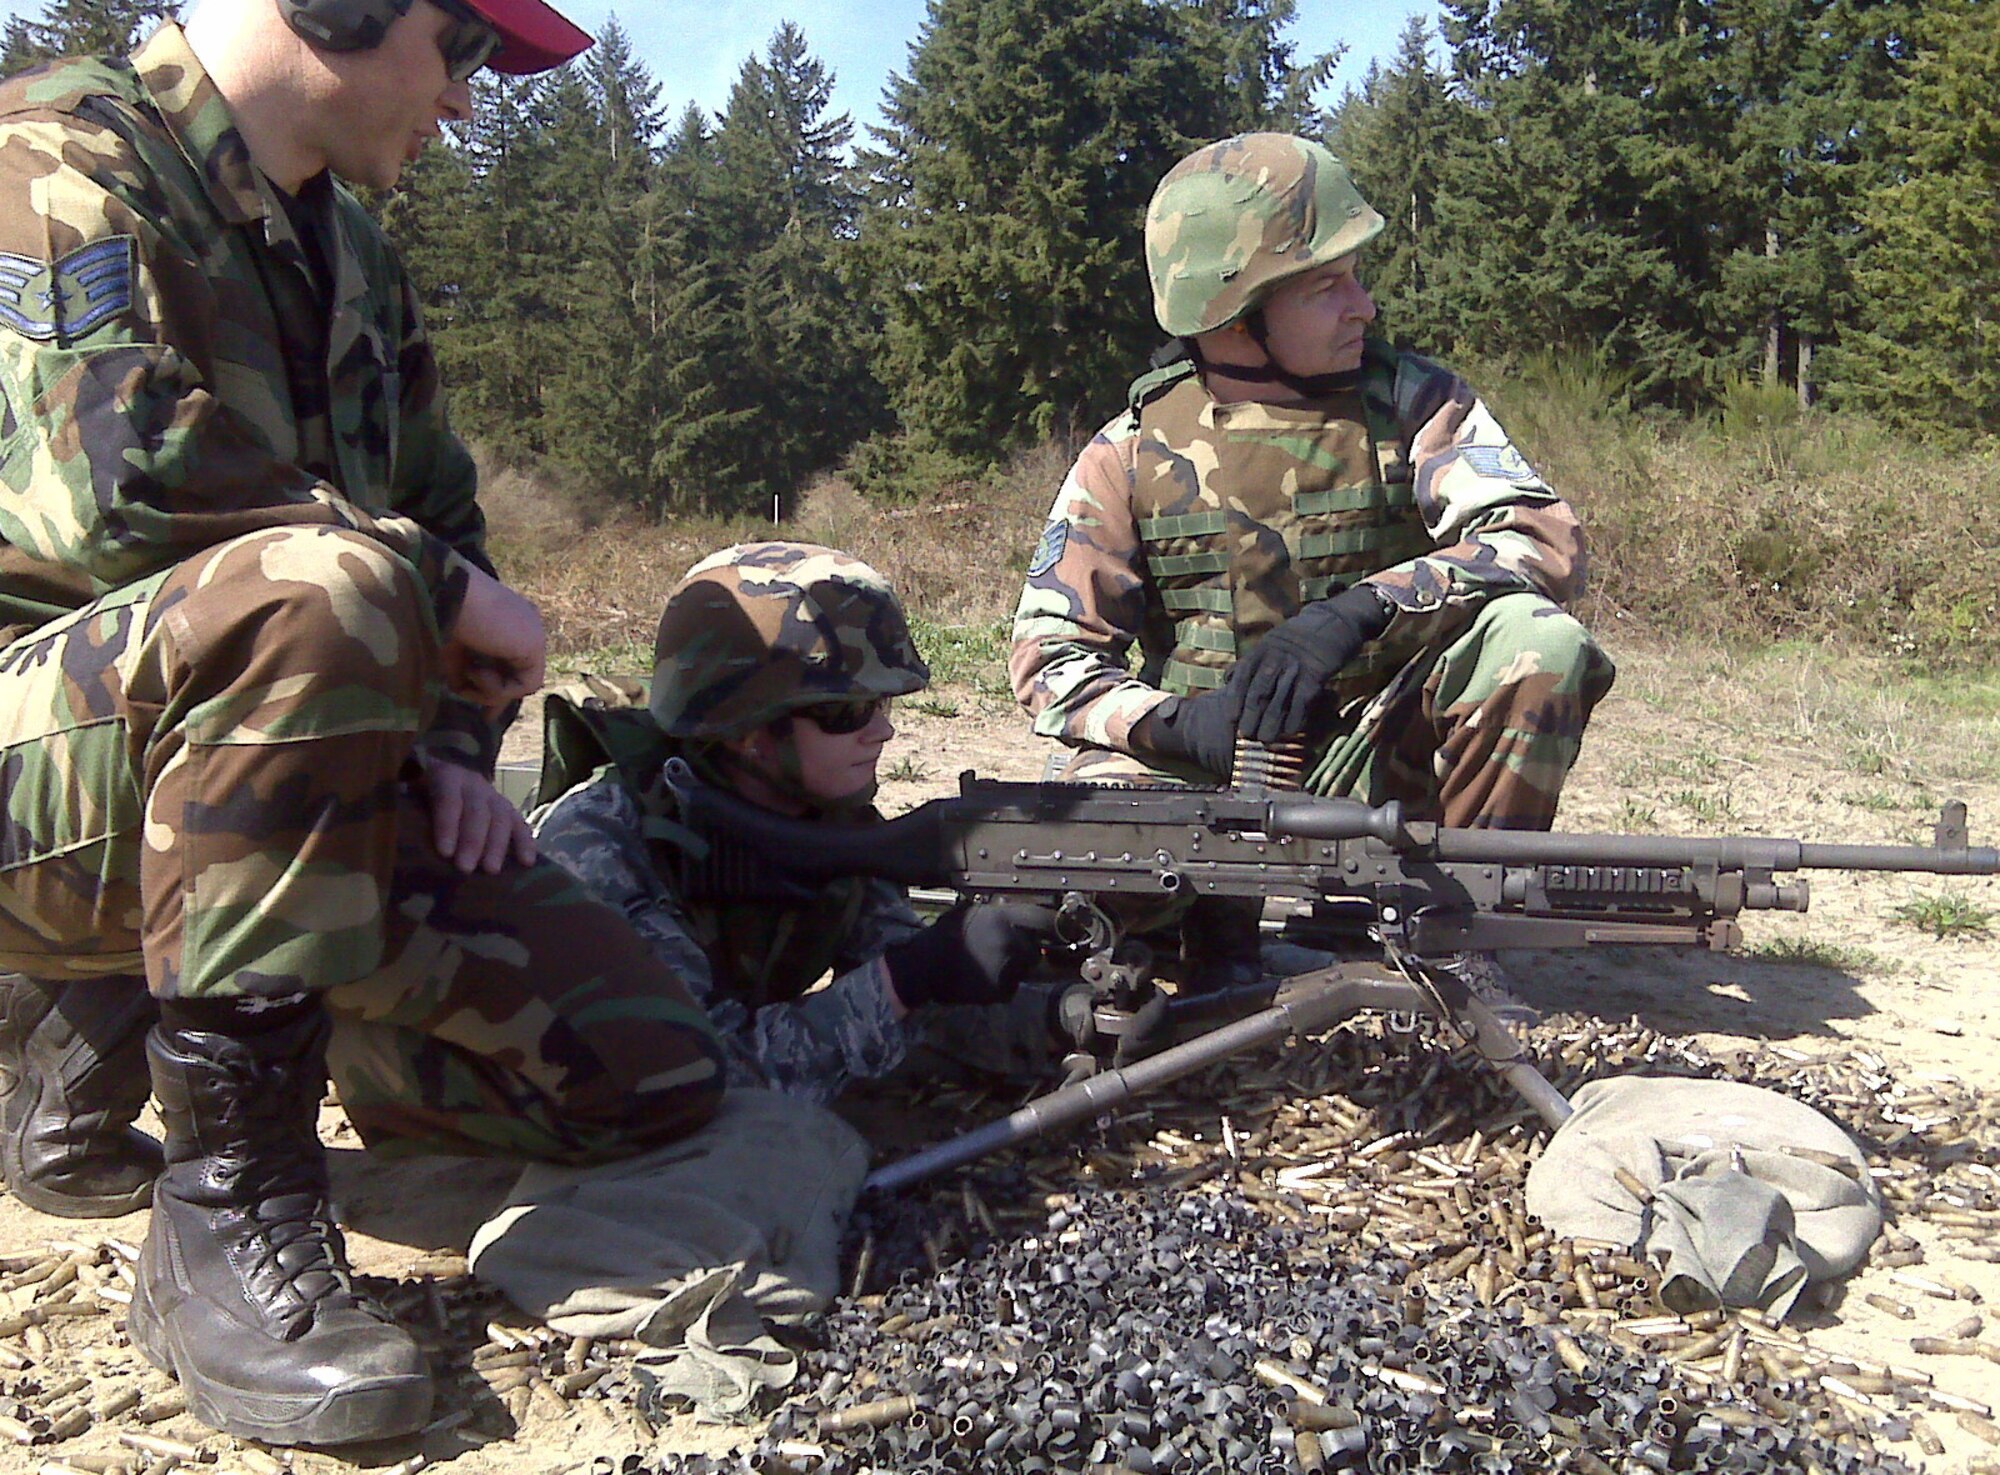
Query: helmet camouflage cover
(761, 629)
(1236, 218)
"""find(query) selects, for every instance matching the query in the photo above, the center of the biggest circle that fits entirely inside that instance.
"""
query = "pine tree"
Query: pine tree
(1394, 132)
(784, 204)
(1010, 187)
(81, 28)
(1806, 79)
(1925, 347)
(1583, 212)
(497, 270)
(1264, 83)
(627, 100)
(603, 399)
(696, 462)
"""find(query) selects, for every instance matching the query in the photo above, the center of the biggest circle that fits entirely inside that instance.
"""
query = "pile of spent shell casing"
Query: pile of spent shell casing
(1321, 1259)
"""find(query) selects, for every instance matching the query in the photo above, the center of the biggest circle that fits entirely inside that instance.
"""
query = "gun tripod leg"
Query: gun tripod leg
(1302, 1005)
(1465, 1011)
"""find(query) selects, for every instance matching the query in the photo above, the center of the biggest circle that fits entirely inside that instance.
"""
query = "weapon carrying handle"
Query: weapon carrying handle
(1312, 818)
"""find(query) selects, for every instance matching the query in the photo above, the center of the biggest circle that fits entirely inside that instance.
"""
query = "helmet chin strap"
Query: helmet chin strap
(1272, 370)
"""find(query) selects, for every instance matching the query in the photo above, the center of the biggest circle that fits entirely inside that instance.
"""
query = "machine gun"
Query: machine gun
(1102, 855)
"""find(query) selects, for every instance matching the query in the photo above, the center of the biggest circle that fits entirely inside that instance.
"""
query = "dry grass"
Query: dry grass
(1761, 525)
(601, 574)
(1767, 524)
(1885, 725)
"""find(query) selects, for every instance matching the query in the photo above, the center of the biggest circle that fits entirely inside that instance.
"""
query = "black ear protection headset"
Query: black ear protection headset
(360, 25)
(343, 25)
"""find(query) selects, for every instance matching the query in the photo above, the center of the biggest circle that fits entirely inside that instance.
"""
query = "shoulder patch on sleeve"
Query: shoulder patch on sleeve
(66, 299)
(1502, 462)
(1055, 538)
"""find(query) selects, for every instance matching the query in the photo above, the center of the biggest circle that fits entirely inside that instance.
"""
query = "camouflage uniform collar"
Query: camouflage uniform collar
(201, 124)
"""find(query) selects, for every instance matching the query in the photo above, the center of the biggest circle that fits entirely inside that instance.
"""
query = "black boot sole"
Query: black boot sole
(381, 1408)
(79, 1206)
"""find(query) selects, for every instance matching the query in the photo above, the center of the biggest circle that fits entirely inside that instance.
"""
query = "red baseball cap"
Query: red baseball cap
(533, 37)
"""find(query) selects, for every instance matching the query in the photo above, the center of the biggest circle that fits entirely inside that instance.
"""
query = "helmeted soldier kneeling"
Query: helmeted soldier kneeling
(1319, 543)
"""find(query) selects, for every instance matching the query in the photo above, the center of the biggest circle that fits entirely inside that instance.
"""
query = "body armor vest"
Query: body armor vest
(1248, 512)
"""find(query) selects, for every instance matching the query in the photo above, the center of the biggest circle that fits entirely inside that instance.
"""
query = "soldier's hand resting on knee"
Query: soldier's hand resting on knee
(474, 825)
(976, 953)
(1274, 687)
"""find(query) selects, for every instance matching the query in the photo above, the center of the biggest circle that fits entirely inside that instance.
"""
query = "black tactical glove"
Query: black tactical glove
(976, 953)
(1273, 688)
(1200, 730)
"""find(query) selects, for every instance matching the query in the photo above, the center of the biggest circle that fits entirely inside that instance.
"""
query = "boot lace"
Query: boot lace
(276, 1175)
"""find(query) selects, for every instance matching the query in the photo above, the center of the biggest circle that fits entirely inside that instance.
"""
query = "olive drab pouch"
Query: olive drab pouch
(594, 721)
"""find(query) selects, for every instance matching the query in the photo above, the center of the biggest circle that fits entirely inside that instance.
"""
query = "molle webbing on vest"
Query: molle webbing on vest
(1248, 512)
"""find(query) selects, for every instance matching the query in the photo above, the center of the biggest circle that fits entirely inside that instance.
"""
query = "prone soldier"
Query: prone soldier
(774, 668)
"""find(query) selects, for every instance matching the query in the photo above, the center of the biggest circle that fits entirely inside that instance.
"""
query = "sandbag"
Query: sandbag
(1750, 1195)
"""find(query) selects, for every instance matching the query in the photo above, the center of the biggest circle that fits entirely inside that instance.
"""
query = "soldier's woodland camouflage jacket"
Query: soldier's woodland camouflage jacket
(1190, 528)
(172, 374)
(746, 960)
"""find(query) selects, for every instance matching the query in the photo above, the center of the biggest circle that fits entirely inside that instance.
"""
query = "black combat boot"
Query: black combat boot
(72, 1082)
(1221, 945)
(244, 1292)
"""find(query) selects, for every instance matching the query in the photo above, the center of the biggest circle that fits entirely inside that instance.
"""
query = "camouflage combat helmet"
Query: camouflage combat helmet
(1233, 220)
(762, 629)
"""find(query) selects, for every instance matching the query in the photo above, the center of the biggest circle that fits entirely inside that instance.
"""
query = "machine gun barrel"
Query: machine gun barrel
(1734, 852)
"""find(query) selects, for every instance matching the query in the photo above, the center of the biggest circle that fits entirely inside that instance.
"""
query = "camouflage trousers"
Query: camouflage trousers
(207, 774)
(1479, 731)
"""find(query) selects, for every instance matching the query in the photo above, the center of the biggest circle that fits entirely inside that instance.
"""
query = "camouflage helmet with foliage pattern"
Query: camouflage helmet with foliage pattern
(761, 629)
(1234, 219)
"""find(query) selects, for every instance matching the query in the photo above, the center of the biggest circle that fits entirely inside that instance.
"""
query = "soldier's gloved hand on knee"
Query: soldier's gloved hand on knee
(1275, 686)
(976, 953)
(1200, 730)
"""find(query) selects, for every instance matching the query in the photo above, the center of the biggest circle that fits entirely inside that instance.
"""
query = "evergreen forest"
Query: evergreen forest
(696, 311)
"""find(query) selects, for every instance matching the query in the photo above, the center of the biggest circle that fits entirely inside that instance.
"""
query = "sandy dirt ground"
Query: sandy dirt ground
(1742, 752)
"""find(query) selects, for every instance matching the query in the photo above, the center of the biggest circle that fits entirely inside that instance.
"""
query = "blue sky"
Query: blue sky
(695, 49)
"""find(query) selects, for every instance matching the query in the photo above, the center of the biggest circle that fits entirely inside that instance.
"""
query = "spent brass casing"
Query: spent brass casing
(1895, 1308)
(1732, 1355)
(1274, 1374)
(1573, 1357)
(569, 1384)
(71, 1424)
(1980, 1425)
(1926, 1437)
(156, 1444)
(1307, 1453)
(869, 1415)
(121, 1402)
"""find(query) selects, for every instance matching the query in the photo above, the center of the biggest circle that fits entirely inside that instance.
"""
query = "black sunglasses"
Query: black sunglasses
(468, 44)
(840, 718)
